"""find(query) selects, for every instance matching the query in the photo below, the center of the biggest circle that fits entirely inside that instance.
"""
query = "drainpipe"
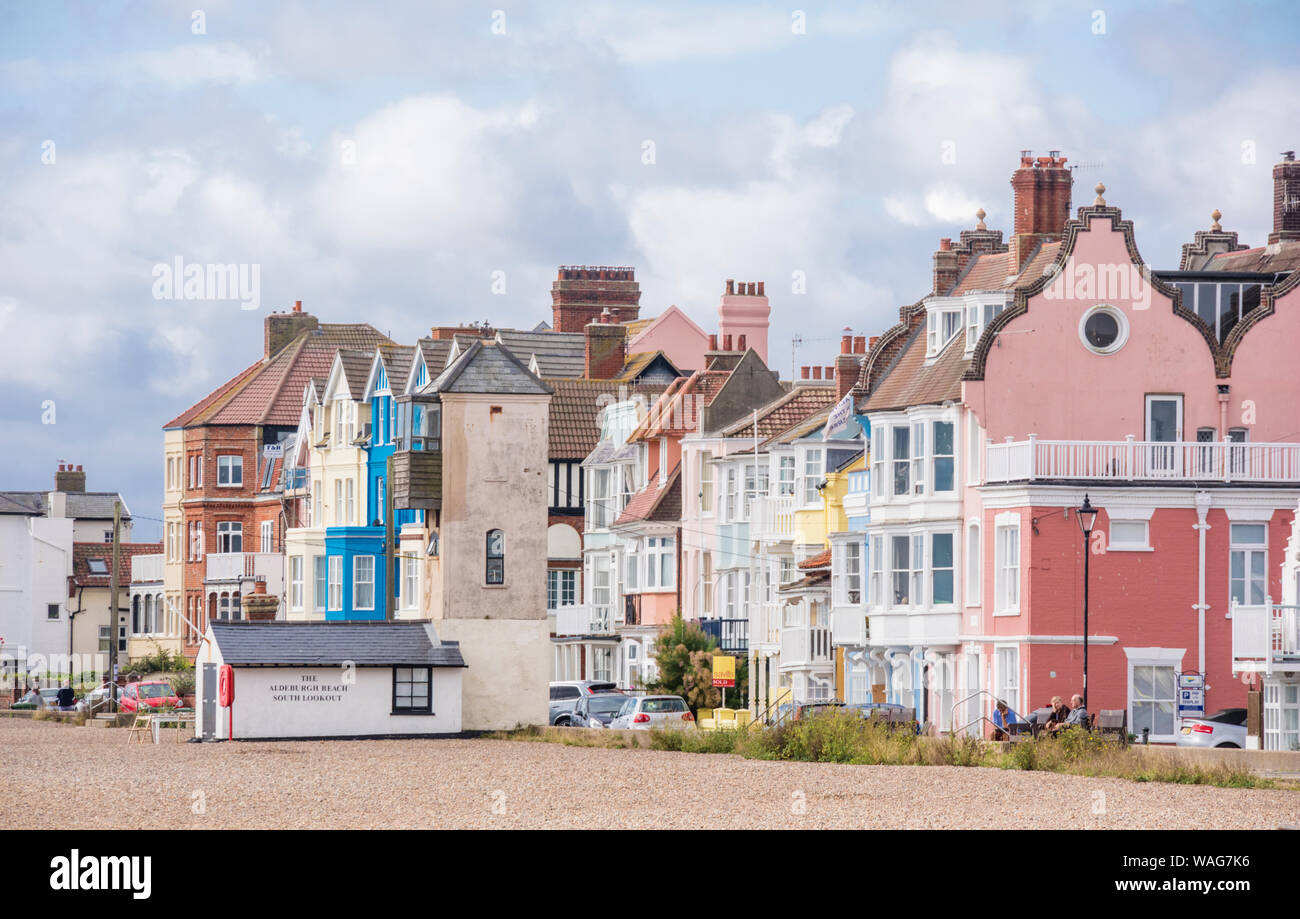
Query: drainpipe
(1202, 506)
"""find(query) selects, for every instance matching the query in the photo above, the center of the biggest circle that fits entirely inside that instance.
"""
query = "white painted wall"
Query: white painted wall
(264, 708)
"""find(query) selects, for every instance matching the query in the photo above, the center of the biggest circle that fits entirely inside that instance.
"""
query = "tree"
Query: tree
(684, 655)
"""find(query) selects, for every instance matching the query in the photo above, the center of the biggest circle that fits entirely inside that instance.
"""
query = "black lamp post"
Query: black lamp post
(1087, 515)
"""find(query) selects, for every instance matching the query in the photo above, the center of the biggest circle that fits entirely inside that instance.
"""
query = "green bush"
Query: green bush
(183, 683)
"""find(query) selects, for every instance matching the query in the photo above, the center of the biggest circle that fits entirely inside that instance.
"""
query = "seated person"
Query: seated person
(1059, 713)
(1002, 718)
(67, 698)
(1075, 717)
(32, 697)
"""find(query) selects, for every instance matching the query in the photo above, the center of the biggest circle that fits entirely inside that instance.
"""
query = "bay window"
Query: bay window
(902, 457)
(918, 569)
(918, 459)
(812, 474)
(230, 471)
(319, 582)
(660, 563)
(901, 570)
(363, 582)
(941, 568)
(335, 582)
(944, 460)
(295, 582)
(785, 475)
(1248, 563)
(706, 481)
(877, 557)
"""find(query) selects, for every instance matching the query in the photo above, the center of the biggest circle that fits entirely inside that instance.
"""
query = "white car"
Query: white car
(641, 713)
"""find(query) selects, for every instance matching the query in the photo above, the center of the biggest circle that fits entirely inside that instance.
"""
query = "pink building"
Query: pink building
(1057, 366)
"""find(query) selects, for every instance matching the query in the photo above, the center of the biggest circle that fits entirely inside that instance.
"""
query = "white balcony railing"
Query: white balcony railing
(584, 620)
(1137, 460)
(804, 645)
(848, 626)
(765, 624)
(773, 518)
(239, 566)
(146, 568)
(1265, 638)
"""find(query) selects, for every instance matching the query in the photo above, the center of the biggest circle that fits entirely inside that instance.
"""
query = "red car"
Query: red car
(149, 693)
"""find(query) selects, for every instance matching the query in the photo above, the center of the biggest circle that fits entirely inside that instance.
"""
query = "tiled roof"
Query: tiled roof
(786, 412)
(81, 505)
(330, 644)
(678, 409)
(813, 580)
(83, 552)
(995, 270)
(396, 360)
(821, 560)
(575, 412)
(657, 503)
(356, 368)
(214, 398)
(561, 355)
(1284, 256)
(636, 364)
(487, 367)
(272, 393)
(911, 382)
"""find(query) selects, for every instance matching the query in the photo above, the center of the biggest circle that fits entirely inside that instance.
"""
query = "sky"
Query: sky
(411, 165)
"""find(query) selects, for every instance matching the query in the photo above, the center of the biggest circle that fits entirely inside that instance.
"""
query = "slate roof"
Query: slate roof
(1283, 256)
(812, 580)
(270, 392)
(83, 552)
(356, 369)
(638, 363)
(487, 367)
(331, 644)
(562, 355)
(785, 412)
(81, 505)
(575, 412)
(656, 503)
(396, 361)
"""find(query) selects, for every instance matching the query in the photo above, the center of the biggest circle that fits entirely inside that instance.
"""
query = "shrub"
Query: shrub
(183, 683)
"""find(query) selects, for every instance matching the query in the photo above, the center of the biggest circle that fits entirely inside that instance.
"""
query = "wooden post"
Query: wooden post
(1255, 718)
(112, 604)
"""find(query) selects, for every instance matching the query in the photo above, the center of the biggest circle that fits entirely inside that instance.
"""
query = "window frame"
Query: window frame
(358, 582)
(1006, 575)
(234, 462)
(427, 708)
(494, 558)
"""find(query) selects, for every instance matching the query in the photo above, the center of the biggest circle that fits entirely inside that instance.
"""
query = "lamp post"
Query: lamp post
(1087, 516)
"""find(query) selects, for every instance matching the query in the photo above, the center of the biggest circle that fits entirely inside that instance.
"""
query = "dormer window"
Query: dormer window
(941, 327)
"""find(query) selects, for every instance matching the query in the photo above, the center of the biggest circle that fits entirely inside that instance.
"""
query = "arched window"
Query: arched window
(135, 615)
(496, 557)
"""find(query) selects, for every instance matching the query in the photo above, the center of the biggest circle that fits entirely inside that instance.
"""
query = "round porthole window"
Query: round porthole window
(1103, 329)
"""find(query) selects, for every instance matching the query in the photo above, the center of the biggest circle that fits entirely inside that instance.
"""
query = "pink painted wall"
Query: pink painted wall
(677, 336)
(1102, 397)
(658, 608)
(748, 315)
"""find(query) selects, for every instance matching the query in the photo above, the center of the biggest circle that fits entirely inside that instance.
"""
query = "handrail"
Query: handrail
(952, 715)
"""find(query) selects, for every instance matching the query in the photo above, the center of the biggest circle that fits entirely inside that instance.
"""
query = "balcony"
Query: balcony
(773, 518)
(584, 620)
(730, 635)
(1265, 638)
(801, 645)
(848, 626)
(765, 624)
(417, 479)
(241, 566)
(1130, 460)
(146, 568)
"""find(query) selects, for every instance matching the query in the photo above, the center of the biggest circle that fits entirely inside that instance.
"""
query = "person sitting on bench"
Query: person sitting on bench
(1075, 717)
(1003, 718)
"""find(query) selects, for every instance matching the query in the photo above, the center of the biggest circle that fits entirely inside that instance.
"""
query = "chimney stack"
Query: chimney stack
(606, 350)
(1041, 190)
(278, 329)
(1286, 200)
(860, 344)
(946, 268)
(69, 479)
(726, 342)
(744, 310)
(740, 342)
(581, 293)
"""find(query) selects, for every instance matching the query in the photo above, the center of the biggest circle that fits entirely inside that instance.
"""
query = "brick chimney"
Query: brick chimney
(744, 311)
(946, 268)
(282, 328)
(69, 479)
(1041, 188)
(581, 293)
(1286, 200)
(259, 606)
(606, 352)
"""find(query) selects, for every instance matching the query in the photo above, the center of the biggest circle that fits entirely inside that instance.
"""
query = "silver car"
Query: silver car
(641, 713)
(1225, 728)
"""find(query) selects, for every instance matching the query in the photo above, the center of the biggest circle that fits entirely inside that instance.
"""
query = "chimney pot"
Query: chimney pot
(726, 342)
(860, 344)
(945, 244)
(846, 344)
(713, 342)
(731, 286)
(804, 372)
(297, 306)
(830, 372)
(760, 289)
(740, 342)
(871, 342)
(817, 372)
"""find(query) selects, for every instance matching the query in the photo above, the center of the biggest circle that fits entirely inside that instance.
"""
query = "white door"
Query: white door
(1164, 421)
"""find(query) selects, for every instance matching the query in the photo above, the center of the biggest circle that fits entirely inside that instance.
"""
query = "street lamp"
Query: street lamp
(1087, 515)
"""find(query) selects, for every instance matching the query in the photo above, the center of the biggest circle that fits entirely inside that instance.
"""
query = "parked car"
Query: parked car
(1224, 728)
(150, 694)
(641, 713)
(597, 710)
(50, 698)
(566, 693)
(812, 708)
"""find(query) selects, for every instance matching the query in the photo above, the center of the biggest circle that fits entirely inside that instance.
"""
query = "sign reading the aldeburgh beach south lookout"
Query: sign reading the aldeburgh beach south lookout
(309, 687)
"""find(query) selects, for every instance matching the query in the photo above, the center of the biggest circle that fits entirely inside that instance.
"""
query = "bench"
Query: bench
(1112, 721)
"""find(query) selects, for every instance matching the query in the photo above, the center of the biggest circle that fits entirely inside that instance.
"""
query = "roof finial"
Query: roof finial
(1215, 217)
(980, 215)
(1101, 190)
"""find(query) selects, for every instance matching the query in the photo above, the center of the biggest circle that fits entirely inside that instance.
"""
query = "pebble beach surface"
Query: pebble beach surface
(61, 776)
